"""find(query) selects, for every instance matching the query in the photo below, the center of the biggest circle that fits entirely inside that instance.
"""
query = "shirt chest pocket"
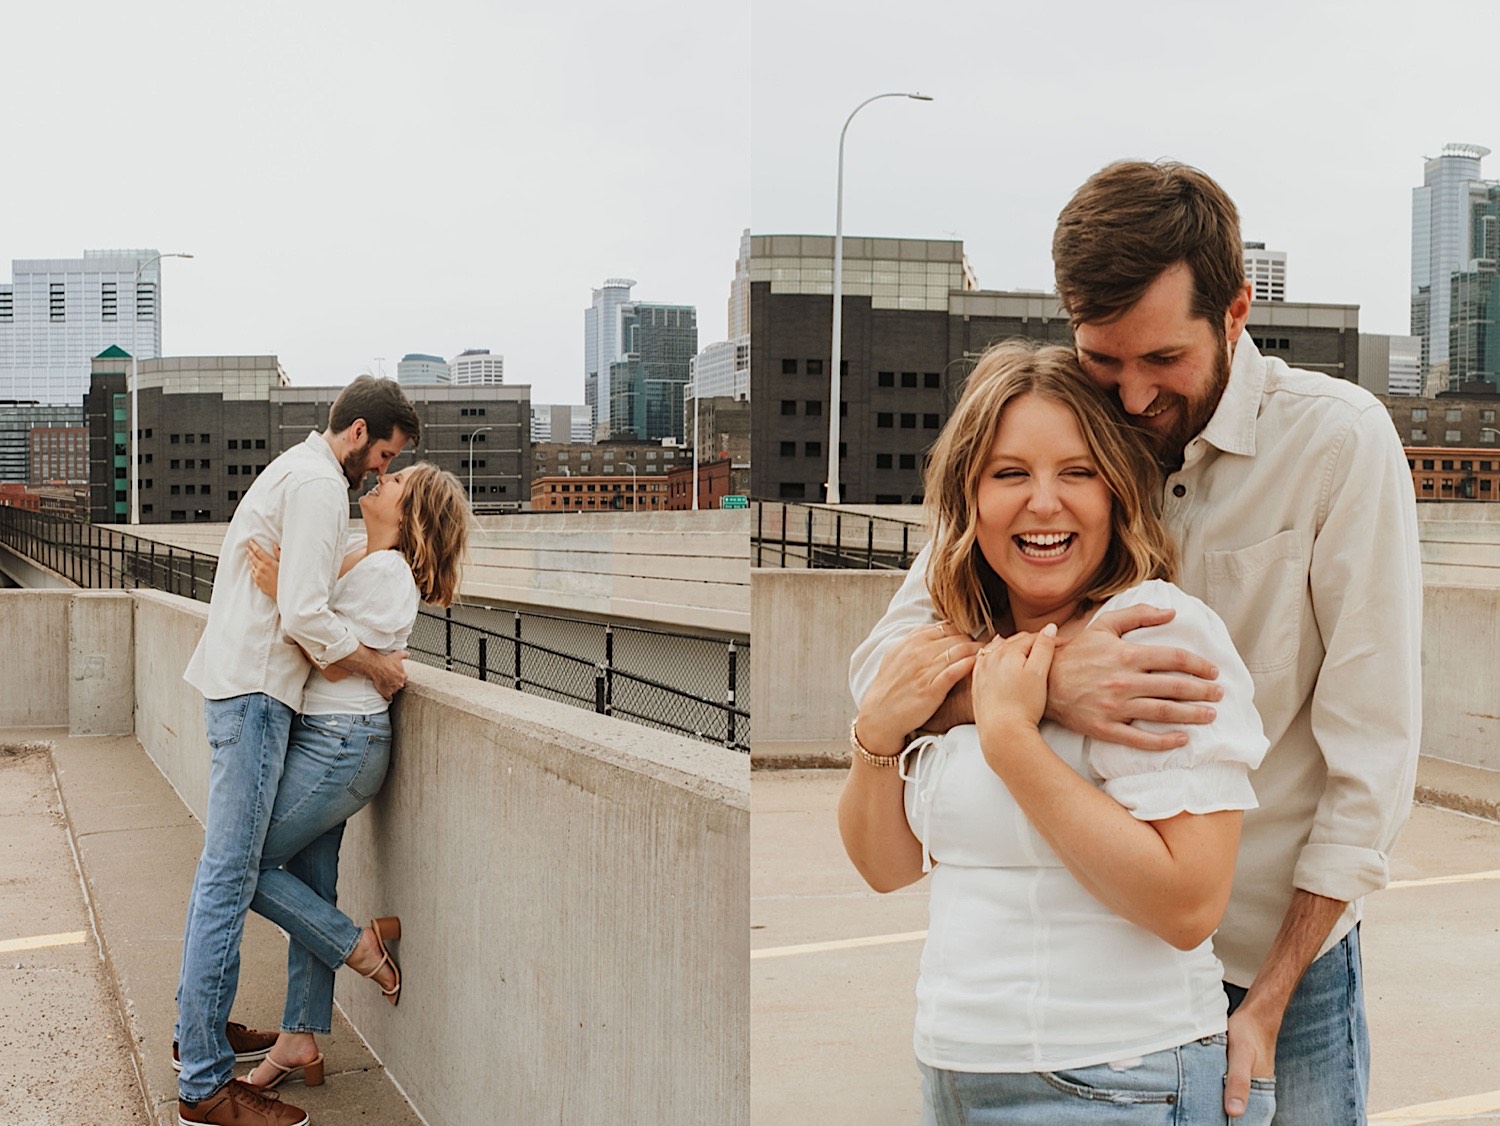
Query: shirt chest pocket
(1260, 592)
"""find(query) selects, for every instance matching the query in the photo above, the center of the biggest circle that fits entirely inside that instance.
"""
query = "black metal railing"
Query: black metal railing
(697, 686)
(804, 535)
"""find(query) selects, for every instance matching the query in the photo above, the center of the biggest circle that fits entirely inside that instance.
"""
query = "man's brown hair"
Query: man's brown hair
(1133, 220)
(381, 404)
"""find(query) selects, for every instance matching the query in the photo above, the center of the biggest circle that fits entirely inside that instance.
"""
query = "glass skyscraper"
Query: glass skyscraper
(602, 346)
(1455, 270)
(646, 384)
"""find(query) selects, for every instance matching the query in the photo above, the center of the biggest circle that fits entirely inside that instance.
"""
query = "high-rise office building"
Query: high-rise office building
(417, 369)
(57, 314)
(602, 346)
(561, 422)
(1265, 270)
(1455, 269)
(739, 291)
(722, 370)
(20, 425)
(646, 384)
(475, 367)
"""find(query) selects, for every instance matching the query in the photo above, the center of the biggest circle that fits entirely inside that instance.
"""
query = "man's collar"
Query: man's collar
(1232, 427)
(320, 443)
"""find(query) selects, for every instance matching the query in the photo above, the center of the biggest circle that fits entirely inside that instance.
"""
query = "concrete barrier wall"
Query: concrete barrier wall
(804, 626)
(34, 687)
(574, 893)
(67, 660)
(1461, 675)
(682, 570)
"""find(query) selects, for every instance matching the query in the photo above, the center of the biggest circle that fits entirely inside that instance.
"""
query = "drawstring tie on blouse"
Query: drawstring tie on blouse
(924, 778)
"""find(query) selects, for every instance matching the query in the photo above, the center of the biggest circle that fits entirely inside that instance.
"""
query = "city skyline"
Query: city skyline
(342, 215)
(1315, 121)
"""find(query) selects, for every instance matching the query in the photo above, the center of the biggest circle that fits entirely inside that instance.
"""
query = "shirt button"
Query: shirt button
(1179, 490)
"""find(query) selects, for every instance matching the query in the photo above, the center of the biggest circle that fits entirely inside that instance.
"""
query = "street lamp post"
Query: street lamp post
(135, 415)
(630, 465)
(835, 388)
(472, 436)
(695, 445)
(1489, 430)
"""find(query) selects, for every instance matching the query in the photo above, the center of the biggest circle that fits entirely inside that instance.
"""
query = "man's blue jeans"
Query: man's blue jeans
(334, 765)
(1323, 1050)
(247, 736)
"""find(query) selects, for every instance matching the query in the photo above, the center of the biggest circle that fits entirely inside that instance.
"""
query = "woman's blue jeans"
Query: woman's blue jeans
(334, 765)
(1181, 1086)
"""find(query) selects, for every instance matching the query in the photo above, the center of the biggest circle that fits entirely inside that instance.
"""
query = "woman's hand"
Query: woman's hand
(265, 568)
(912, 683)
(1010, 680)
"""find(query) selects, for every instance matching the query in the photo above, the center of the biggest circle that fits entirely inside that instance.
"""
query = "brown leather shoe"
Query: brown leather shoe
(239, 1104)
(250, 1045)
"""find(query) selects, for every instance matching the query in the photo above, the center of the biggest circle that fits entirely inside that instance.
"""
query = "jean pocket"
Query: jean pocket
(1144, 1085)
(1260, 1108)
(370, 774)
(224, 720)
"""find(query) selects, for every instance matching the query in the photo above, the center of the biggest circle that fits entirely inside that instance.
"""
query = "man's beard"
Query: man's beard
(1192, 415)
(354, 464)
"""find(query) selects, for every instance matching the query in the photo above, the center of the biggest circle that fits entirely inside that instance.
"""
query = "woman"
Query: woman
(416, 526)
(1067, 973)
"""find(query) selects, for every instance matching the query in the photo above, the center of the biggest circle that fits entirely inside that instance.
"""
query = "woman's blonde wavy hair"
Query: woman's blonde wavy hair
(435, 520)
(964, 588)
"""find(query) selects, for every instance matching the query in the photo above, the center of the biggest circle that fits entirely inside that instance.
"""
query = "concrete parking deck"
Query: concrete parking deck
(833, 965)
(87, 1011)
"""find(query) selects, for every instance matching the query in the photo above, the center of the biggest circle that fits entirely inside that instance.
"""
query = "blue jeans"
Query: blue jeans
(1323, 1049)
(247, 736)
(1181, 1086)
(334, 765)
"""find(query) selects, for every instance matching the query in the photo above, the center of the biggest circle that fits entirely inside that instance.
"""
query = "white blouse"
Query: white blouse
(1024, 970)
(377, 599)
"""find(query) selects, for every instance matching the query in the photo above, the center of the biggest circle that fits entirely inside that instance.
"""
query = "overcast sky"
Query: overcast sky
(1315, 115)
(362, 179)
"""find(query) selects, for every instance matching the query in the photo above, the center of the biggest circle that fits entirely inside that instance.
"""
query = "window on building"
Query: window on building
(1418, 434)
(179, 514)
(187, 439)
(1419, 414)
(174, 438)
(176, 490)
(908, 461)
(191, 490)
(884, 420)
(908, 379)
(1453, 436)
(233, 445)
(1487, 437)
(788, 406)
(908, 422)
(882, 461)
(788, 367)
(1486, 416)
(814, 367)
(813, 408)
(1453, 414)
(885, 379)
(931, 379)
(788, 449)
(57, 302)
(793, 490)
(929, 422)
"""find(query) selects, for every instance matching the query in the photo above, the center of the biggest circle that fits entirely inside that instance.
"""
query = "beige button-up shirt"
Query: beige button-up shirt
(1296, 522)
(301, 502)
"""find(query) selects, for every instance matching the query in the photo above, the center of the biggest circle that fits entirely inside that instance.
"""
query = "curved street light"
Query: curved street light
(634, 500)
(472, 436)
(135, 416)
(835, 384)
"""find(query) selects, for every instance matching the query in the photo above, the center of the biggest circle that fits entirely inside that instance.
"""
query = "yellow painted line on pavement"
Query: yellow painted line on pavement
(1443, 1111)
(839, 944)
(1432, 881)
(38, 941)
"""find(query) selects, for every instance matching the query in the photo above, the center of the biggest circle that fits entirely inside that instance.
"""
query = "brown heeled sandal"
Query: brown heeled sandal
(386, 928)
(312, 1073)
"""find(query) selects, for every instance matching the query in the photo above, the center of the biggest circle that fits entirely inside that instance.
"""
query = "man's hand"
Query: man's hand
(1252, 1051)
(388, 673)
(1100, 682)
(914, 679)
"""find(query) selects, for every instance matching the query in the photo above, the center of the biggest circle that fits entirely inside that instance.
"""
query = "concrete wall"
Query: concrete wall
(574, 889)
(1460, 544)
(67, 660)
(682, 570)
(805, 625)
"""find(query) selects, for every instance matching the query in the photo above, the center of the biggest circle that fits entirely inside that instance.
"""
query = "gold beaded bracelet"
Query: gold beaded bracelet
(874, 760)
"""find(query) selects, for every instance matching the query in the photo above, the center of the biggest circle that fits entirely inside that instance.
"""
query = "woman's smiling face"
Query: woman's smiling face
(1043, 511)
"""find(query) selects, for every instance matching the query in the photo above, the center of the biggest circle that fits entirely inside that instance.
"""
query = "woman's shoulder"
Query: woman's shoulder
(379, 567)
(1194, 621)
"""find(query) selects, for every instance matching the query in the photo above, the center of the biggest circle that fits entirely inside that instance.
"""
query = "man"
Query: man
(251, 677)
(1290, 498)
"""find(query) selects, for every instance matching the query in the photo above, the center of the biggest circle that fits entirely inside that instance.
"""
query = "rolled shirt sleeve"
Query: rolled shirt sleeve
(1211, 773)
(910, 609)
(1366, 588)
(310, 558)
